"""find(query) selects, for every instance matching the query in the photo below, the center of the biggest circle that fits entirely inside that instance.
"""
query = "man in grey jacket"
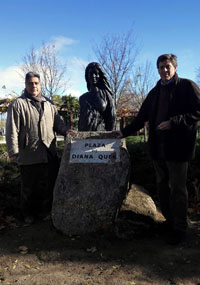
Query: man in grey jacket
(32, 121)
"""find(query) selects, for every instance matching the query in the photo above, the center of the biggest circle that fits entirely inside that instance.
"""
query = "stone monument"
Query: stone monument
(92, 182)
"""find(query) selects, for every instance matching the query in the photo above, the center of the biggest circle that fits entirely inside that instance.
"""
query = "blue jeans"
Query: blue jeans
(171, 177)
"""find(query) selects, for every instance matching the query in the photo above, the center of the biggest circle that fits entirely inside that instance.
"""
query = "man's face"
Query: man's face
(166, 70)
(33, 86)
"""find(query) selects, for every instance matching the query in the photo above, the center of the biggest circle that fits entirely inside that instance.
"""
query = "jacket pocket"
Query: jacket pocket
(24, 140)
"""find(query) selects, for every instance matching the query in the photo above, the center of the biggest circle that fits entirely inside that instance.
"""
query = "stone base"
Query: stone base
(87, 196)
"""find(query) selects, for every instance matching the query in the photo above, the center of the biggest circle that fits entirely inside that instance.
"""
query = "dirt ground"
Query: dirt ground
(133, 254)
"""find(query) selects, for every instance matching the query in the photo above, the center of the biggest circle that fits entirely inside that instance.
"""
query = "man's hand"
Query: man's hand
(118, 134)
(70, 131)
(13, 158)
(165, 125)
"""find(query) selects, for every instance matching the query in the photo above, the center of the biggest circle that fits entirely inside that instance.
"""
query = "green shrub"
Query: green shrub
(2, 148)
(9, 182)
(142, 172)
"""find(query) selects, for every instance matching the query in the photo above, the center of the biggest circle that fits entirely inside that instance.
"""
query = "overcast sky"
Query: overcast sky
(74, 25)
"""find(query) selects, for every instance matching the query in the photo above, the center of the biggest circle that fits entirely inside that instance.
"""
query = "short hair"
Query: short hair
(167, 56)
(31, 74)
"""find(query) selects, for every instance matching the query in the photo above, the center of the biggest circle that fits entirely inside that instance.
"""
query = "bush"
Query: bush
(9, 182)
(142, 171)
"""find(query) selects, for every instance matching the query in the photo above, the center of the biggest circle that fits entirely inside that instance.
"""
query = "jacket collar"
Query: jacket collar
(24, 96)
(175, 81)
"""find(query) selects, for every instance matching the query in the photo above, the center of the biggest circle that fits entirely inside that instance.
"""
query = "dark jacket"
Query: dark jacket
(183, 112)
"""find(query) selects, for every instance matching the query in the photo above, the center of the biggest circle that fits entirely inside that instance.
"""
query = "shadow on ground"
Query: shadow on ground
(131, 252)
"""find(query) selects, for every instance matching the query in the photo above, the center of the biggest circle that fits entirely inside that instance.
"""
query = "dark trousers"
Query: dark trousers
(37, 184)
(171, 177)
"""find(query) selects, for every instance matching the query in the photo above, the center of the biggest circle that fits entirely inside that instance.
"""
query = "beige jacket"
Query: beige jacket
(27, 136)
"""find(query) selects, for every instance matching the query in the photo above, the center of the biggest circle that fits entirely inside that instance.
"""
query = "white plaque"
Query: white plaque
(95, 151)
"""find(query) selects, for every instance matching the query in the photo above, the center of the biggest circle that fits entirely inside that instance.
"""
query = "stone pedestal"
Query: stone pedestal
(92, 182)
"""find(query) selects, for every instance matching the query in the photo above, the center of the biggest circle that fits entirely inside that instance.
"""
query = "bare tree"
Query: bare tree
(198, 75)
(135, 91)
(141, 82)
(116, 54)
(137, 87)
(46, 63)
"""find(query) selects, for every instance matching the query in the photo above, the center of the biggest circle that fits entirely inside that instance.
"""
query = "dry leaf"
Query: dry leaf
(40, 263)
(92, 249)
(27, 266)
(115, 266)
(23, 249)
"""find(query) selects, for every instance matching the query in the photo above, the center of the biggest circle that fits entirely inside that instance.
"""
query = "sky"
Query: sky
(74, 26)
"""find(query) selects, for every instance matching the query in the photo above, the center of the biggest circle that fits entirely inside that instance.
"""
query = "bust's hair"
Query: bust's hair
(167, 56)
(102, 83)
(31, 74)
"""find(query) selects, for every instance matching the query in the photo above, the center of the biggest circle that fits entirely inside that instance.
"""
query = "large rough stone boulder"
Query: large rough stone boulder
(139, 201)
(90, 187)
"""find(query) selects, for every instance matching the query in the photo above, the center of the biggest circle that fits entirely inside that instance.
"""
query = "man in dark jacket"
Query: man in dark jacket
(172, 109)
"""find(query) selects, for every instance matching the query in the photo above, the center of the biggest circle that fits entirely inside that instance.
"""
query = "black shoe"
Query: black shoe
(176, 237)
